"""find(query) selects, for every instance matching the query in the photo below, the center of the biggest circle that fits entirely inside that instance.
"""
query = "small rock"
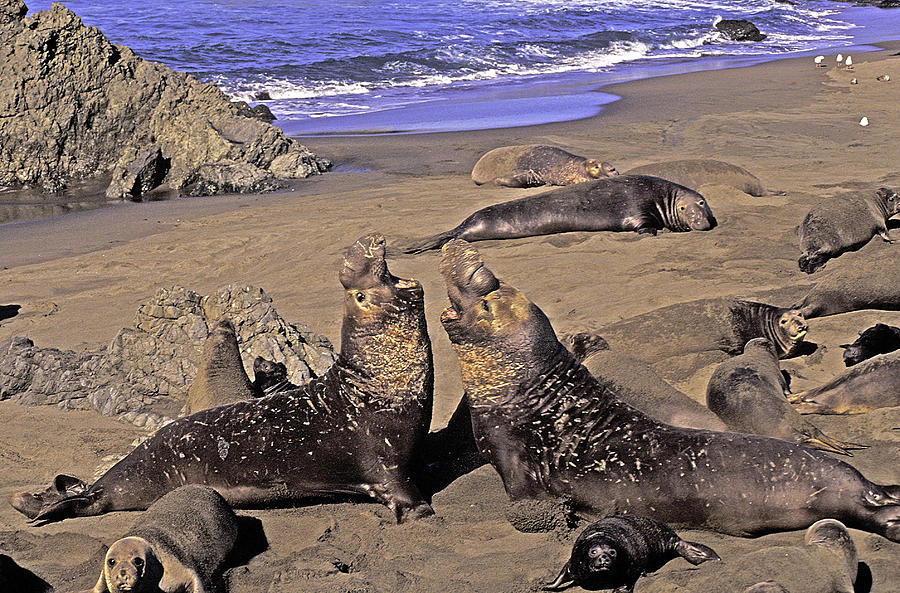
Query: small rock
(740, 30)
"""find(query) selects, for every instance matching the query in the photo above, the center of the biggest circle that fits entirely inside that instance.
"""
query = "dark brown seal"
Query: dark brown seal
(747, 393)
(845, 224)
(180, 544)
(550, 430)
(270, 376)
(529, 165)
(625, 203)
(353, 431)
(221, 378)
(862, 388)
(615, 551)
(878, 339)
(697, 172)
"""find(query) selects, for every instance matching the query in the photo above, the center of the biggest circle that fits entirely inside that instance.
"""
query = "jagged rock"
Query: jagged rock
(143, 376)
(135, 178)
(260, 112)
(230, 177)
(73, 105)
(739, 30)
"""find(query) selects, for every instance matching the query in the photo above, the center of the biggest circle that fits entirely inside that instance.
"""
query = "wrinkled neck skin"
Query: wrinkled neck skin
(879, 205)
(770, 318)
(667, 211)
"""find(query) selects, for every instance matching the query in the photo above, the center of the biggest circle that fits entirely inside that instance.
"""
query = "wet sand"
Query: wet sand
(794, 125)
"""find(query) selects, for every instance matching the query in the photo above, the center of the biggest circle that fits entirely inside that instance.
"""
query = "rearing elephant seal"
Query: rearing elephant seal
(529, 165)
(696, 172)
(551, 430)
(625, 203)
(180, 544)
(353, 431)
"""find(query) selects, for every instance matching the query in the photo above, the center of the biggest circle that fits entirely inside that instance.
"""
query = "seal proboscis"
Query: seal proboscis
(530, 165)
(878, 339)
(747, 393)
(862, 388)
(615, 551)
(180, 544)
(550, 429)
(221, 378)
(353, 431)
(697, 172)
(845, 224)
(625, 203)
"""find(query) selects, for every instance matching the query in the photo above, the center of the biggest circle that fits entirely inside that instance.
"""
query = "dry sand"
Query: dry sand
(792, 124)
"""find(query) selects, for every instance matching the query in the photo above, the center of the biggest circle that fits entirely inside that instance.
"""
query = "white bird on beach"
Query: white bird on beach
(849, 63)
(840, 58)
(864, 121)
(818, 61)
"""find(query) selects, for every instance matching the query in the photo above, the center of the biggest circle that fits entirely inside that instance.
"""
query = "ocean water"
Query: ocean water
(342, 66)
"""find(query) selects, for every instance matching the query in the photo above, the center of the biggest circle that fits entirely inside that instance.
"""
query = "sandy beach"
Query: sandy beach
(80, 278)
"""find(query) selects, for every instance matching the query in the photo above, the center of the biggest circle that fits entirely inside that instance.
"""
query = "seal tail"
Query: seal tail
(421, 245)
(562, 581)
(695, 553)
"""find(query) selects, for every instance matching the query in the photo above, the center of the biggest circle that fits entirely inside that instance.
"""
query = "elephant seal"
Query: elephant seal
(530, 165)
(703, 325)
(845, 225)
(860, 389)
(221, 378)
(638, 385)
(747, 393)
(270, 376)
(355, 430)
(615, 551)
(550, 430)
(14, 578)
(697, 172)
(625, 203)
(878, 339)
(866, 279)
(180, 544)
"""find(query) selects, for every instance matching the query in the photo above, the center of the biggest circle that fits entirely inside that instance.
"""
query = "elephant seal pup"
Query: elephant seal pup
(180, 544)
(270, 376)
(354, 431)
(625, 203)
(845, 225)
(878, 339)
(530, 165)
(862, 388)
(614, 552)
(697, 172)
(638, 385)
(747, 393)
(221, 378)
(866, 279)
(549, 429)
(703, 325)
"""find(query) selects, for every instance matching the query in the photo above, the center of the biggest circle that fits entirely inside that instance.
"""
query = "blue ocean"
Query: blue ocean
(341, 66)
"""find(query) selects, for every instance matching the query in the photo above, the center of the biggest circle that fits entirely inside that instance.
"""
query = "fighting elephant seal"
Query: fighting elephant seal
(862, 388)
(697, 172)
(529, 165)
(637, 203)
(614, 552)
(845, 224)
(353, 431)
(747, 393)
(878, 339)
(221, 378)
(550, 430)
(180, 544)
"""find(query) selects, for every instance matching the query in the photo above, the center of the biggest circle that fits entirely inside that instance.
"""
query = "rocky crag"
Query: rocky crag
(75, 106)
(144, 374)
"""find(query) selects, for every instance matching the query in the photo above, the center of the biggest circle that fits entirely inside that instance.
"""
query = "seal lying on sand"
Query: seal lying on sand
(625, 203)
(866, 279)
(529, 165)
(221, 378)
(747, 393)
(614, 552)
(845, 224)
(353, 431)
(550, 429)
(707, 324)
(180, 544)
(638, 385)
(865, 387)
(696, 172)
(878, 339)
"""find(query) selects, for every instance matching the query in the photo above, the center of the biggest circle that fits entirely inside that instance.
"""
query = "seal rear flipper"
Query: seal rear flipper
(421, 245)
(562, 581)
(695, 553)
(70, 506)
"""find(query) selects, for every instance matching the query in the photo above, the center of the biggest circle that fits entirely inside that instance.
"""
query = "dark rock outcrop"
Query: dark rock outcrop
(74, 106)
(739, 30)
(144, 374)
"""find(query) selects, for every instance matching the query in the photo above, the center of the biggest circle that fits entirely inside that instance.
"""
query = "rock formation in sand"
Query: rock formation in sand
(145, 373)
(739, 30)
(75, 106)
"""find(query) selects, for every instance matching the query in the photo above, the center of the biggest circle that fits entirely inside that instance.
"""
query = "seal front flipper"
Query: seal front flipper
(562, 581)
(695, 553)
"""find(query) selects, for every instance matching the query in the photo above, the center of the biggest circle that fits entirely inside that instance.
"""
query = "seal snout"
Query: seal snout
(465, 274)
(364, 262)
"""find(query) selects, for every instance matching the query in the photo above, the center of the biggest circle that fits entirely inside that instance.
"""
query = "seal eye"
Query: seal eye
(111, 562)
(594, 552)
(682, 207)
(611, 553)
(783, 321)
(700, 202)
(138, 562)
(360, 297)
